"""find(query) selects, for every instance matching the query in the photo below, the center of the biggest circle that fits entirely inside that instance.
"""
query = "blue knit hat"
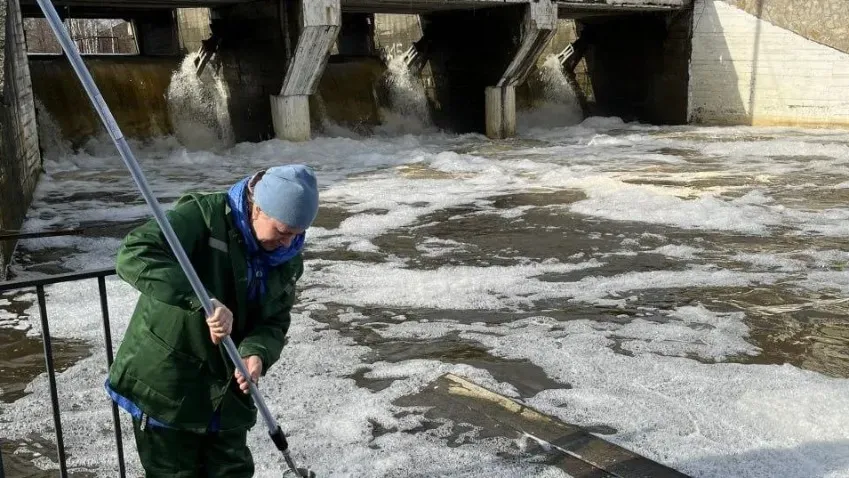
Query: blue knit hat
(289, 194)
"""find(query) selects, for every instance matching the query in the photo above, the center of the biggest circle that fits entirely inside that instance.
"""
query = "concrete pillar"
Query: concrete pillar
(538, 27)
(320, 23)
(500, 111)
(290, 115)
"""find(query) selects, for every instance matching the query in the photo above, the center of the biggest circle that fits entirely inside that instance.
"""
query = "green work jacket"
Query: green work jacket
(167, 364)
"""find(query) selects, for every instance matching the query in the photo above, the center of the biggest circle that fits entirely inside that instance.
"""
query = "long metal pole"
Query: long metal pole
(129, 160)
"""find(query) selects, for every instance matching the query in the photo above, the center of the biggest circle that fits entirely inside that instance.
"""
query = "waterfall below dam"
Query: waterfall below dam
(156, 97)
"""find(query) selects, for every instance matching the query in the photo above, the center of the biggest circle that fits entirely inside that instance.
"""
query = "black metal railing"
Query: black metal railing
(39, 285)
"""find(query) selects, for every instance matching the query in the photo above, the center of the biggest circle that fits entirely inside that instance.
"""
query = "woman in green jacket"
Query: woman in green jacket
(191, 410)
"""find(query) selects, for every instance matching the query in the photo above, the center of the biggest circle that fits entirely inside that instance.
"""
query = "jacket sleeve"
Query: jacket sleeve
(145, 260)
(267, 338)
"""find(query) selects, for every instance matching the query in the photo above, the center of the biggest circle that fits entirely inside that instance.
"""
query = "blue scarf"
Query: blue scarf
(260, 261)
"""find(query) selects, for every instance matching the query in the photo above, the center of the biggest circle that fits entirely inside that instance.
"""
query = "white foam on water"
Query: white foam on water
(771, 262)
(472, 178)
(172, 170)
(826, 281)
(720, 429)
(12, 321)
(635, 375)
(619, 201)
(435, 247)
(332, 419)
(829, 222)
(449, 287)
(74, 309)
(688, 331)
(755, 420)
(363, 246)
(497, 287)
(825, 258)
(678, 251)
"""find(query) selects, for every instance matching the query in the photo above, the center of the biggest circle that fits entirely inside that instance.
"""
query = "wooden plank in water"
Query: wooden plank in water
(571, 448)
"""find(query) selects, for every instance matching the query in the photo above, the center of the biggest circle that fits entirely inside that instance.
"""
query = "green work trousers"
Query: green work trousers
(165, 452)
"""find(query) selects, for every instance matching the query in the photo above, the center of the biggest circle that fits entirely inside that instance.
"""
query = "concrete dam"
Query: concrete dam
(273, 68)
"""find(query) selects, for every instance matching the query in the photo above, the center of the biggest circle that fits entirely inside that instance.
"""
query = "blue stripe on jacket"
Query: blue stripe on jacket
(137, 413)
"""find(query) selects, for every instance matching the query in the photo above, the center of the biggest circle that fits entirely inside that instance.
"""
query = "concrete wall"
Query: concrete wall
(20, 159)
(747, 71)
(823, 21)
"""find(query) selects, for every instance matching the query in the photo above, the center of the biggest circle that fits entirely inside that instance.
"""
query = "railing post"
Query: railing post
(104, 308)
(51, 376)
(2, 473)
(39, 284)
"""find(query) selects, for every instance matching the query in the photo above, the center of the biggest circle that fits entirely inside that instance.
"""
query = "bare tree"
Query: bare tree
(92, 36)
(39, 36)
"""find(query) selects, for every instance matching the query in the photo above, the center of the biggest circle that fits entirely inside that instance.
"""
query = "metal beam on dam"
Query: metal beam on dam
(136, 3)
(422, 6)
(113, 9)
(566, 8)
